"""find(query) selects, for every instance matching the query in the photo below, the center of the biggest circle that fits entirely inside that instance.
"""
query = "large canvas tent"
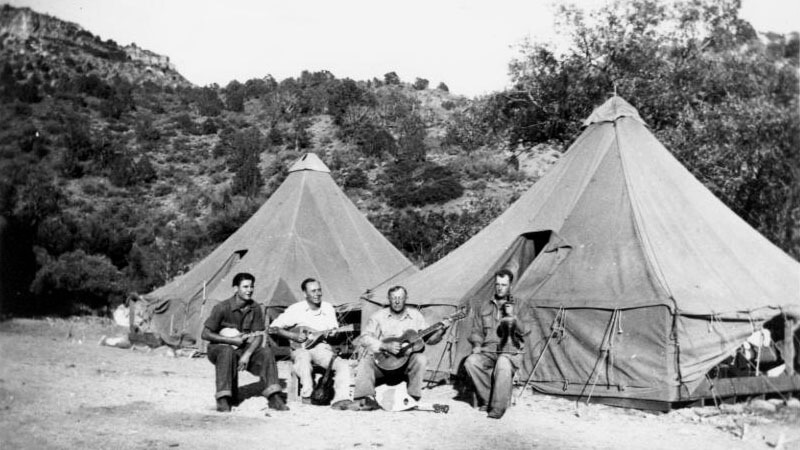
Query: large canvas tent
(635, 279)
(307, 228)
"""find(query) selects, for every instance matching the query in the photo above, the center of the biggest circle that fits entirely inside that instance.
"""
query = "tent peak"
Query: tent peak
(309, 161)
(613, 109)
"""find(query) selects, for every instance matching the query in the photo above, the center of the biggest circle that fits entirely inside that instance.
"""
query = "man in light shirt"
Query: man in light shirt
(317, 315)
(389, 322)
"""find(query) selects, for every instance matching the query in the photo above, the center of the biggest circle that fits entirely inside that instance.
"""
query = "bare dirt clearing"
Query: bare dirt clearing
(60, 389)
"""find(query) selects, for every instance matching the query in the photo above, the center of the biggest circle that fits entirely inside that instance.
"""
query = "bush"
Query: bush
(421, 84)
(414, 184)
(77, 278)
(443, 87)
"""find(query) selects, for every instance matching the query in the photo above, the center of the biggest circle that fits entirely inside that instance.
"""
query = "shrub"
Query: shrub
(77, 278)
(416, 184)
(443, 87)
(421, 84)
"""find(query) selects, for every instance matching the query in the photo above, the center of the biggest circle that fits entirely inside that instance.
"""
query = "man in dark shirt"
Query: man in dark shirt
(497, 338)
(231, 352)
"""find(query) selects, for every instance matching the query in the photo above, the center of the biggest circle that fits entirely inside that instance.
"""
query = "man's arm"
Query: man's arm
(476, 336)
(244, 360)
(284, 321)
(369, 336)
(215, 338)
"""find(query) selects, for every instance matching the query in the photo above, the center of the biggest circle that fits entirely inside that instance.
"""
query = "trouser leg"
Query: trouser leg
(415, 372)
(224, 359)
(262, 364)
(301, 365)
(502, 384)
(366, 377)
(479, 366)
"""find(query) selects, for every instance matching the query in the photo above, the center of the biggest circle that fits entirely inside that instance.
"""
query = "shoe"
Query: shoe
(306, 401)
(369, 404)
(276, 402)
(495, 414)
(483, 408)
(224, 404)
(344, 405)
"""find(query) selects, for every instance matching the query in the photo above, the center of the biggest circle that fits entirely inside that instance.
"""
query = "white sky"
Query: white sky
(466, 44)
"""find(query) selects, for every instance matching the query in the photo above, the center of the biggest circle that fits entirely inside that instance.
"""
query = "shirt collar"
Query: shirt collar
(245, 307)
(391, 315)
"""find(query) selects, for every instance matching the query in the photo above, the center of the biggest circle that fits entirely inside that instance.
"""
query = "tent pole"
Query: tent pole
(788, 344)
(202, 307)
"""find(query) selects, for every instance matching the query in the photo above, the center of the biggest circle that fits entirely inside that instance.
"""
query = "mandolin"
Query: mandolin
(314, 337)
(233, 332)
(411, 341)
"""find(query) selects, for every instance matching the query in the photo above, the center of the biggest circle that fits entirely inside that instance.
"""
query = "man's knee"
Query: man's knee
(418, 360)
(473, 361)
(302, 357)
(504, 365)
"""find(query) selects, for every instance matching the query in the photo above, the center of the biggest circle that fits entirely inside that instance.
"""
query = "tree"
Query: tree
(713, 93)
(443, 87)
(421, 84)
(234, 96)
(391, 78)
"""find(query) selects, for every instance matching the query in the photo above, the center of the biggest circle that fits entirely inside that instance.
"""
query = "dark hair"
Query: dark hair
(242, 276)
(305, 282)
(395, 289)
(502, 273)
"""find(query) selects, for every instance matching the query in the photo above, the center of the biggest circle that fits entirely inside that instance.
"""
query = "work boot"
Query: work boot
(344, 405)
(275, 401)
(369, 404)
(494, 414)
(224, 404)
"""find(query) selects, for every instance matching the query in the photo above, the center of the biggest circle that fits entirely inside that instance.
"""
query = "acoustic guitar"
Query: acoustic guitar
(411, 341)
(314, 337)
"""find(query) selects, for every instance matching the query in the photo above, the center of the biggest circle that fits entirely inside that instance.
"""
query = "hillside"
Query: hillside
(115, 168)
(116, 173)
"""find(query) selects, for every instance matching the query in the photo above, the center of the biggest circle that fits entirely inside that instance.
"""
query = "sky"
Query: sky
(465, 44)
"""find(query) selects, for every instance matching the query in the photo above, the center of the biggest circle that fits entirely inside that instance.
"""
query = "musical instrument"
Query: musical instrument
(323, 392)
(411, 341)
(233, 332)
(314, 337)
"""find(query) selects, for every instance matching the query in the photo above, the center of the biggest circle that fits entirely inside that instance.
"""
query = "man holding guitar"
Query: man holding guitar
(232, 350)
(497, 338)
(312, 320)
(402, 361)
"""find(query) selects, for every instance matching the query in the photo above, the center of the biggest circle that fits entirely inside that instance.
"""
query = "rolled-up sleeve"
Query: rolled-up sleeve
(476, 336)
(370, 334)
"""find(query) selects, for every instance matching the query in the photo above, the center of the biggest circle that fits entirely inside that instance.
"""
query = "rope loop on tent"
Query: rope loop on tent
(605, 347)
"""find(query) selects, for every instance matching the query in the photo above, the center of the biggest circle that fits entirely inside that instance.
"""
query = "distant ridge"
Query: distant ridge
(43, 39)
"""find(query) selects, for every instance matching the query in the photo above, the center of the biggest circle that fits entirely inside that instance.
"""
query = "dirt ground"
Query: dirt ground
(60, 389)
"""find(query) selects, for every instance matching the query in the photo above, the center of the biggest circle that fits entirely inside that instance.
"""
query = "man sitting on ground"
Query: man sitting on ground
(231, 354)
(389, 322)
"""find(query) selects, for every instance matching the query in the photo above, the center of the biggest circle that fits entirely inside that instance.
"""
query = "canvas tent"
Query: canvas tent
(307, 228)
(644, 279)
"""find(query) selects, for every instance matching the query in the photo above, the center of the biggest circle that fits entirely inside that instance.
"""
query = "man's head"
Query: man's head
(312, 290)
(245, 284)
(502, 283)
(397, 296)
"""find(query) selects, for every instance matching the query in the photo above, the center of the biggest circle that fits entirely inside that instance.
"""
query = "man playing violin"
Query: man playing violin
(497, 338)
(392, 322)
(231, 354)
(314, 314)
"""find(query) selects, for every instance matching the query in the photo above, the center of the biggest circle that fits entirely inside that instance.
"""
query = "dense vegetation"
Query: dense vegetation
(110, 186)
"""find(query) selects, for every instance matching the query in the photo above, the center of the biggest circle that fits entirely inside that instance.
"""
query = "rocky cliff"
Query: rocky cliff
(37, 40)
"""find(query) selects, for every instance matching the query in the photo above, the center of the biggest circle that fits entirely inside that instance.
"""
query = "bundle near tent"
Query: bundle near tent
(307, 228)
(635, 279)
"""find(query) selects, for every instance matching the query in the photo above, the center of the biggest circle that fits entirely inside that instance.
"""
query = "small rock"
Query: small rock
(793, 403)
(761, 406)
